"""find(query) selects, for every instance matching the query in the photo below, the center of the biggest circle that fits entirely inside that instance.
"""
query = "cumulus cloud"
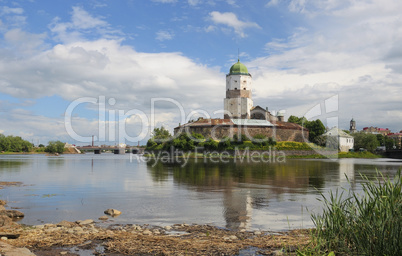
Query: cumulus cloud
(81, 26)
(230, 20)
(163, 35)
(350, 54)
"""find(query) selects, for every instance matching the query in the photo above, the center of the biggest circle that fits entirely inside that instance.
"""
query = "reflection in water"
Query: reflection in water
(55, 161)
(247, 186)
(244, 186)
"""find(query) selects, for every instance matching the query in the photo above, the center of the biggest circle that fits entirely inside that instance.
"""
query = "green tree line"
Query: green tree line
(14, 144)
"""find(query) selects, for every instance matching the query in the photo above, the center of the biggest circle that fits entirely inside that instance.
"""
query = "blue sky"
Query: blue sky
(126, 53)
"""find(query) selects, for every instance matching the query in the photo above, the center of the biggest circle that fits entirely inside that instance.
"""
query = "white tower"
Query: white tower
(238, 102)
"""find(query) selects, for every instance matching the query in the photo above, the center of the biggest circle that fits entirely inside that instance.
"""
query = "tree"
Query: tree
(14, 144)
(297, 120)
(55, 147)
(316, 127)
(160, 135)
(366, 141)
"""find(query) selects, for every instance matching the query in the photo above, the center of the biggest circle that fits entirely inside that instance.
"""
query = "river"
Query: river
(235, 195)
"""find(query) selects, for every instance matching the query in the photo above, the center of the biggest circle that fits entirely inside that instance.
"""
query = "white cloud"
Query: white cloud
(23, 42)
(350, 52)
(230, 19)
(163, 35)
(194, 2)
(272, 3)
(9, 10)
(81, 25)
(105, 67)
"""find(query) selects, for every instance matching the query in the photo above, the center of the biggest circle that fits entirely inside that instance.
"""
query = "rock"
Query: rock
(157, 232)
(257, 233)
(85, 222)
(50, 226)
(104, 217)
(40, 226)
(2, 208)
(3, 238)
(78, 229)
(63, 253)
(112, 212)
(5, 221)
(66, 224)
(230, 238)
(9, 250)
(3, 202)
(12, 213)
(168, 228)
(147, 232)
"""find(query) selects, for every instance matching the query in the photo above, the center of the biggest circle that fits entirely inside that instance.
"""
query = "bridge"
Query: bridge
(116, 150)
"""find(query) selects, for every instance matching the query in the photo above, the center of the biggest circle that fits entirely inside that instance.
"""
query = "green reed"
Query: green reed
(361, 224)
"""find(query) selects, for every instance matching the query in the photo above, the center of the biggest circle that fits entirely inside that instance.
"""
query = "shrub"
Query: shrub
(292, 145)
(55, 147)
(368, 224)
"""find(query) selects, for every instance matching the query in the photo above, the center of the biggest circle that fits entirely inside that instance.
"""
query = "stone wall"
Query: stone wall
(219, 131)
(238, 94)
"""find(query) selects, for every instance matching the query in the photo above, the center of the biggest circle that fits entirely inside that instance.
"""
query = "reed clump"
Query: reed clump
(361, 224)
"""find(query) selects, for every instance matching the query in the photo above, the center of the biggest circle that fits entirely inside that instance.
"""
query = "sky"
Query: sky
(70, 70)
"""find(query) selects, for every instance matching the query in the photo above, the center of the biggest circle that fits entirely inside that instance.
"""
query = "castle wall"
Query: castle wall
(219, 131)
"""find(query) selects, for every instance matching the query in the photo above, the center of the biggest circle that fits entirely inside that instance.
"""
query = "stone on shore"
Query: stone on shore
(85, 222)
(3, 202)
(112, 212)
(66, 224)
(104, 217)
(12, 213)
(5, 221)
(9, 250)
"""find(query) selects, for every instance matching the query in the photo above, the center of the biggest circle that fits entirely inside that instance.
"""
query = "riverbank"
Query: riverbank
(84, 237)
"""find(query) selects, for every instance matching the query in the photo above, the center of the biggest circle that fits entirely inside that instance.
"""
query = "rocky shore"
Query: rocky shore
(89, 237)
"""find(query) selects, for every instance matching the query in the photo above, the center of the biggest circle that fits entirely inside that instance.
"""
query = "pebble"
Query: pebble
(104, 217)
(63, 253)
(4, 238)
(168, 228)
(85, 222)
(257, 233)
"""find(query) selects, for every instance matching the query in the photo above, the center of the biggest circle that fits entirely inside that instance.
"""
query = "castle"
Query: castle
(241, 117)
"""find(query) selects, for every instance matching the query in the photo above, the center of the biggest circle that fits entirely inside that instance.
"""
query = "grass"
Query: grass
(353, 224)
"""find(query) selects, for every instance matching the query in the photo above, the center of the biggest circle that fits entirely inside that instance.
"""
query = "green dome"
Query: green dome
(238, 69)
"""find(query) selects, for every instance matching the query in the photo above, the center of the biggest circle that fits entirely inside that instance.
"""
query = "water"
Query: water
(234, 195)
